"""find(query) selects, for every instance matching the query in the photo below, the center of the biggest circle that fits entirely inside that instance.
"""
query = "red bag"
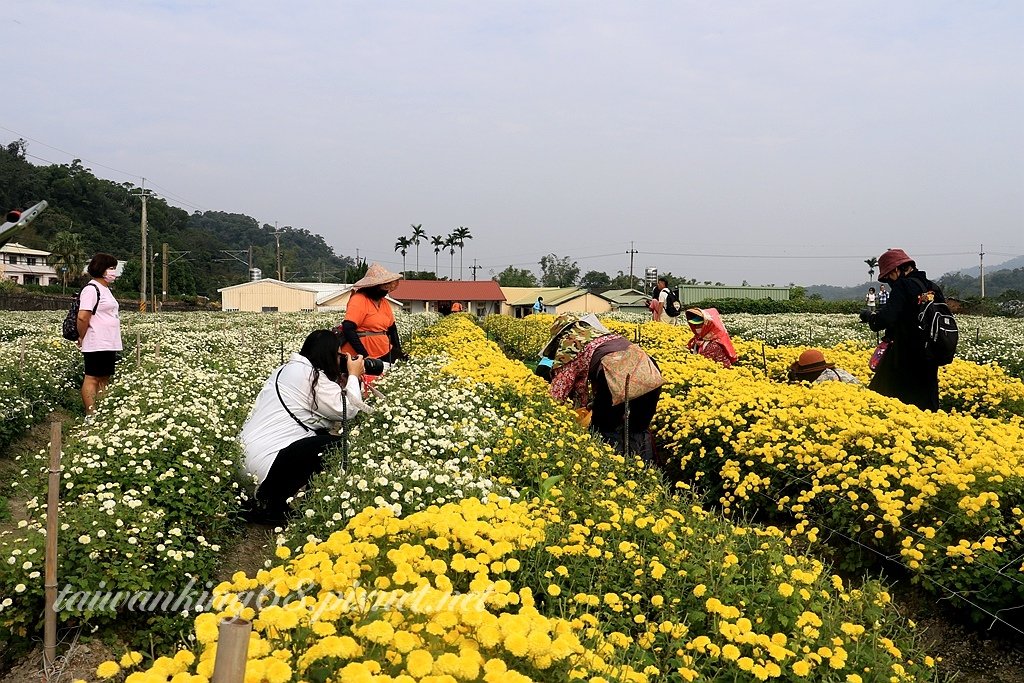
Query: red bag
(876, 357)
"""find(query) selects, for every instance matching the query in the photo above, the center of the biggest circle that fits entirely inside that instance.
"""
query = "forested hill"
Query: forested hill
(107, 217)
(1003, 283)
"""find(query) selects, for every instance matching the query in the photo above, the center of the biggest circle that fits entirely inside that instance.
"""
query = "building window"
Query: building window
(30, 260)
(31, 279)
(12, 259)
(270, 309)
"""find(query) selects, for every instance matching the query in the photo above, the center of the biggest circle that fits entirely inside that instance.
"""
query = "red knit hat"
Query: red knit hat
(890, 261)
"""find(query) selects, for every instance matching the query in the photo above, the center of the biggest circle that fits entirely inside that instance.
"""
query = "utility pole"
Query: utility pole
(475, 268)
(163, 291)
(152, 275)
(631, 252)
(981, 263)
(145, 251)
(277, 238)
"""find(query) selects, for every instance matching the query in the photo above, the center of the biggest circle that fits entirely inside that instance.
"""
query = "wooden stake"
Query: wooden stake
(232, 651)
(50, 584)
(138, 349)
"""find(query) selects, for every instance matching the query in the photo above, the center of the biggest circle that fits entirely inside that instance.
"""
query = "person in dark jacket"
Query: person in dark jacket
(904, 372)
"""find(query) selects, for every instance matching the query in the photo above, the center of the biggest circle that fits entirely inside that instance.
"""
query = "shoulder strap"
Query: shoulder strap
(93, 285)
(285, 405)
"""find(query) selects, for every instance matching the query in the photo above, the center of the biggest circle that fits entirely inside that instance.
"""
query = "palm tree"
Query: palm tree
(403, 245)
(460, 235)
(438, 243)
(872, 264)
(67, 255)
(418, 233)
(450, 243)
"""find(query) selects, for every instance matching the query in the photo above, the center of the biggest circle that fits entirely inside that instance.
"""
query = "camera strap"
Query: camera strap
(285, 405)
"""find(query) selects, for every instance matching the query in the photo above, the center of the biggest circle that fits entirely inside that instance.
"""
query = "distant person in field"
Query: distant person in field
(456, 307)
(99, 328)
(587, 364)
(290, 426)
(883, 295)
(656, 304)
(870, 299)
(904, 372)
(710, 338)
(665, 300)
(538, 305)
(369, 327)
(812, 367)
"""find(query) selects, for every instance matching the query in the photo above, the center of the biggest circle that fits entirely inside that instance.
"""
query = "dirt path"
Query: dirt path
(36, 439)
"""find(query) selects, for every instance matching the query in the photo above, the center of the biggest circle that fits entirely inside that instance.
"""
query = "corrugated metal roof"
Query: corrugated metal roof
(625, 296)
(553, 296)
(447, 290)
(319, 287)
(21, 250)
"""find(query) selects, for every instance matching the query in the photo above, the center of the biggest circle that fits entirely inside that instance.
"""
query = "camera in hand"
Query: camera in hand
(374, 366)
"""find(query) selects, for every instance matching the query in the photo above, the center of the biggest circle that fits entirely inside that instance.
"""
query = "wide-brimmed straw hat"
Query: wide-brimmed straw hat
(376, 274)
(810, 362)
(563, 322)
(890, 261)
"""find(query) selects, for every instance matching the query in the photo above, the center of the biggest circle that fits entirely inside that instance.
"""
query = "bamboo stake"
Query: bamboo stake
(232, 651)
(138, 349)
(50, 584)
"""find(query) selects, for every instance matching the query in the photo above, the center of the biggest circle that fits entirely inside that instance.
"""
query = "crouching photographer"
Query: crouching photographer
(296, 419)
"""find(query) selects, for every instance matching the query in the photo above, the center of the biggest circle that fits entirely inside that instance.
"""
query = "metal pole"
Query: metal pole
(625, 424)
(163, 291)
(232, 651)
(145, 252)
(981, 263)
(631, 252)
(50, 584)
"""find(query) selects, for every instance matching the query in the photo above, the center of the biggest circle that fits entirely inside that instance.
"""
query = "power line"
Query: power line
(792, 256)
(96, 163)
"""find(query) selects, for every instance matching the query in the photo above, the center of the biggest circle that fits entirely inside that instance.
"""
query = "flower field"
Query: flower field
(942, 494)
(479, 534)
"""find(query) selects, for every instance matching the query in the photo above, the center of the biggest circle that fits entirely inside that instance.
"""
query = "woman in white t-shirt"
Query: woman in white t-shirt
(99, 328)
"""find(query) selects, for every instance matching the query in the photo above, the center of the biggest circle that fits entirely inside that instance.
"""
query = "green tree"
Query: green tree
(596, 279)
(460, 235)
(517, 277)
(417, 236)
(558, 271)
(450, 242)
(438, 243)
(403, 245)
(872, 264)
(67, 256)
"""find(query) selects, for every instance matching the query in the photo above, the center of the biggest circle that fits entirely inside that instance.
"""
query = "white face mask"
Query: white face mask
(109, 276)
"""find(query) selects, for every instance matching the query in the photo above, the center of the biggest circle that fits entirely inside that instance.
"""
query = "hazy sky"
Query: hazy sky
(769, 141)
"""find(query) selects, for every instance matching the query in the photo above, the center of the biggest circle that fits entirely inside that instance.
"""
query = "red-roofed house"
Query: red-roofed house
(480, 297)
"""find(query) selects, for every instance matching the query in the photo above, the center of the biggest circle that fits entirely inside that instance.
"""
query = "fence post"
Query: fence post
(50, 582)
(232, 651)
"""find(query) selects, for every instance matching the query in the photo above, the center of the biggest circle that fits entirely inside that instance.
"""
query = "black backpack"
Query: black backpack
(672, 306)
(937, 327)
(69, 330)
